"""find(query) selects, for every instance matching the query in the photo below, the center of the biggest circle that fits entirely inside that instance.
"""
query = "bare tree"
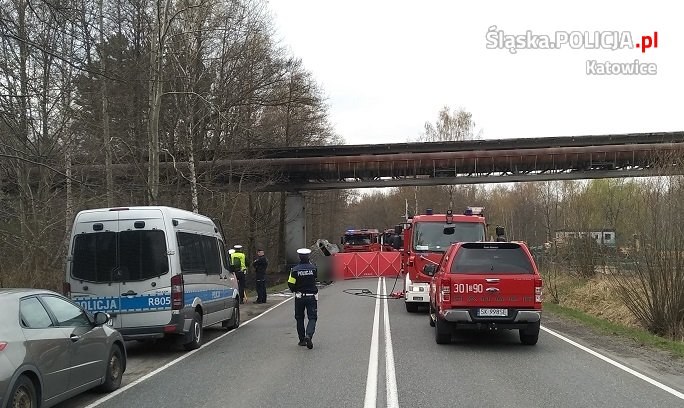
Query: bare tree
(450, 127)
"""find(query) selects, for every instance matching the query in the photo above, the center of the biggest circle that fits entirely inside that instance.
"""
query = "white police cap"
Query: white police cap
(237, 246)
(231, 251)
(303, 251)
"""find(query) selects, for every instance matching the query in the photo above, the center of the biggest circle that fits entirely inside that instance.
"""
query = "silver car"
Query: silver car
(51, 349)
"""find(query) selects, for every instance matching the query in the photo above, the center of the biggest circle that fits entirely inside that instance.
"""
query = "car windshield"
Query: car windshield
(431, 236)
(119, 256)
(491, 258)
(357, 239)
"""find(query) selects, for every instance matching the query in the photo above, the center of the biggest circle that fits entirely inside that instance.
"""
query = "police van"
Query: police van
(158, 271)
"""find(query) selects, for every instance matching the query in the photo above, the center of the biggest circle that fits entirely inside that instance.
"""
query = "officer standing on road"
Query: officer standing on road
(260, 264)
(239, 257)
(302, 282)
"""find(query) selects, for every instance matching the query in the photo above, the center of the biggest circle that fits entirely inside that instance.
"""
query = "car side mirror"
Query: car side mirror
(101, 318)
(430, 269)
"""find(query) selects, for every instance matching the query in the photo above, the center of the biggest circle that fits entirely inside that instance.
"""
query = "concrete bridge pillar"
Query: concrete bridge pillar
(295, 226)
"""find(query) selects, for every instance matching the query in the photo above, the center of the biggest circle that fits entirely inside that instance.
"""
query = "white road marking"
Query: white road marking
(390, 373)
(371, 398)
(616, 364)
(179, 359)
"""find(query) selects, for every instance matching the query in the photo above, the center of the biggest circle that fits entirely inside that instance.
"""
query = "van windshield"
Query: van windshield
(119, 256)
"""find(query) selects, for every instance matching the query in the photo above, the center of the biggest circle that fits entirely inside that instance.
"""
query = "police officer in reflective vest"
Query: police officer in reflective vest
(302, 282)
(239, 258)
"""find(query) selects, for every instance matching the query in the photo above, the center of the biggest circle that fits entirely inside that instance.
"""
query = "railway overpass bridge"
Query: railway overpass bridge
(467, 162)
(297, 169)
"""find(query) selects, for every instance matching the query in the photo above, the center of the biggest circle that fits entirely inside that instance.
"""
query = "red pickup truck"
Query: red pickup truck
(485, 286)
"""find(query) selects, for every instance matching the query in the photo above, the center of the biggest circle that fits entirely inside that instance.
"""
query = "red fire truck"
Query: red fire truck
(387, 238)
(425, 239)
(361, 240)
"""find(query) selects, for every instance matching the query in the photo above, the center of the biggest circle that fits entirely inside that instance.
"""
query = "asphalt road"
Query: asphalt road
(260, 365)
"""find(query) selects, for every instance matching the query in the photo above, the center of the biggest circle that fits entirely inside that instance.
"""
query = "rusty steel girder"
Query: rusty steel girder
(481, 161)
(462, 162)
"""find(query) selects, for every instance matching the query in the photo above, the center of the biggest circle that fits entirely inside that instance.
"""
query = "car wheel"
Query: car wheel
(233, 322)
(442, 331)
(411, 307)
(431, 315)
(114, 371)
(195, 332)
(23, 394)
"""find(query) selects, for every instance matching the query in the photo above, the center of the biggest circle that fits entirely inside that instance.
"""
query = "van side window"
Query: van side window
(212, 256)
(198, 253)
(223, 253)
(190, 253)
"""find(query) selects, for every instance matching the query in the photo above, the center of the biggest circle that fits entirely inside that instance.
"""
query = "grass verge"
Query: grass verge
(641, 336)
(250, 293)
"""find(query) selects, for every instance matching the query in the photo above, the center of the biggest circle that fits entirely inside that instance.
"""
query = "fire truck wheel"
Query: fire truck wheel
(411, 307)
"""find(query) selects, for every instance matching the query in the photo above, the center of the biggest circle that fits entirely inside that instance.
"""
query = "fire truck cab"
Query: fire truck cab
(361, 240)
(425, 239)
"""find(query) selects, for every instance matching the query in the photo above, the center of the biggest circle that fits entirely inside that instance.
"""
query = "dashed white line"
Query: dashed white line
(371, 398)
(616, 364)
(390, 372)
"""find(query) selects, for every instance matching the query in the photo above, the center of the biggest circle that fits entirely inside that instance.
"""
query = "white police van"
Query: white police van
(158, 271)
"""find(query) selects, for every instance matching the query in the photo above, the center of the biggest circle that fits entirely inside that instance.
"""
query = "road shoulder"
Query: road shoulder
(660, 365)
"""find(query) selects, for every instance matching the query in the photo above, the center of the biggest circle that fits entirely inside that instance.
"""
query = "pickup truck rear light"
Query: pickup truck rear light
(445, 291)
(3, 344)
(177, 292)
(538, 298)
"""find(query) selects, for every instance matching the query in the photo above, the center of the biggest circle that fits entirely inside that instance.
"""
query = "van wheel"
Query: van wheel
(442, 332)
(233, 322)
(431, 315)
(411, 307)
(195, 332)
(114, 372)
(23, 394)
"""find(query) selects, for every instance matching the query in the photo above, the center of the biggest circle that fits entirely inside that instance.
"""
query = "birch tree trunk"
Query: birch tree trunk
(105, 115)
(157, 46)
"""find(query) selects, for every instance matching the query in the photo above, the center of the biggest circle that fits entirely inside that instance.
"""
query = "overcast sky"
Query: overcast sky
(389, 66)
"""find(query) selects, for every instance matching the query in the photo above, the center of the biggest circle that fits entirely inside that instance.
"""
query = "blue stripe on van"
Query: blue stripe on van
(147, 303)
(207, 295)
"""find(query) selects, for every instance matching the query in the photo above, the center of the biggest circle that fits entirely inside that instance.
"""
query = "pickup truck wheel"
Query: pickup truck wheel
(195, 332)
(442, 332)
(529, 338)
(411, 307)
(431, 315)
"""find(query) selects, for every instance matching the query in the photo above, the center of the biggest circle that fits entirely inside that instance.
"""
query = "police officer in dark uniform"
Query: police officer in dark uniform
(302, 282)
